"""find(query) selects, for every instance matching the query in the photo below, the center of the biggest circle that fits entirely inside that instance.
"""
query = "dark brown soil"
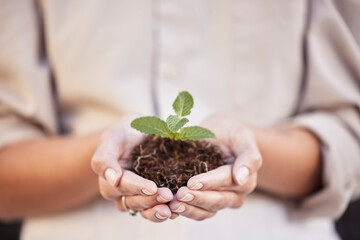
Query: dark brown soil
(171, 163)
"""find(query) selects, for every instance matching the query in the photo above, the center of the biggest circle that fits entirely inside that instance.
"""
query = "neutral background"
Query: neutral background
(347, 226)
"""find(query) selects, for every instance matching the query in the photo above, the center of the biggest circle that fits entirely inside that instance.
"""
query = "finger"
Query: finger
(115, 143)
(190, 211)
(248, 160)
(133, 184)
(245, 166)
(119, 205)
(139, 202)
(159, 213)
(174, 215)
(218, 178)
(105, 160)
(130, 185)
(107, 191)
(211, 201)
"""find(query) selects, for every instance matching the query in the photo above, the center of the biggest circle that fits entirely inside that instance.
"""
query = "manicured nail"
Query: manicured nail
(111, 176)
(159, 198)
(187, 198)
(197, 186)
(157, 215)
(242, 175)
(180, 209)
(145, 191)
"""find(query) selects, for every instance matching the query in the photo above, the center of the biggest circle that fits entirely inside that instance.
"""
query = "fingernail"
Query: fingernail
(187, 198)
(157, 215)
(145, 191)
(242, 175)
(197, 186)
(180, 209)
(111, 176)
(159, 198)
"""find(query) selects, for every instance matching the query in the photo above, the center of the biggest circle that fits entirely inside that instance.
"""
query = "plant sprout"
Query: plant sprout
(174, 128)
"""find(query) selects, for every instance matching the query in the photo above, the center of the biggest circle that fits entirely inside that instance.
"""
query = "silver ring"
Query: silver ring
(130, 211)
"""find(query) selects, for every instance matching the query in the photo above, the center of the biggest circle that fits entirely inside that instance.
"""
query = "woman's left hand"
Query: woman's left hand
(225, 186)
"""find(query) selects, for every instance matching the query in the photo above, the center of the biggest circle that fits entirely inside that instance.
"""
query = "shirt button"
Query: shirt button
(168, 72)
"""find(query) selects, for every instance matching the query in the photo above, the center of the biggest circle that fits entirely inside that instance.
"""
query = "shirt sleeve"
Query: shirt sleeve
(26, 101)
(330, 105)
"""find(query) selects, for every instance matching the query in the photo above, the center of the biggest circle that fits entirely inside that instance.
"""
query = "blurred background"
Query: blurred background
(348, 226)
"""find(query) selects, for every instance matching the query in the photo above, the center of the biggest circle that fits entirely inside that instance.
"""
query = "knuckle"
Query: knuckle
(190, 212)
(250, 186)
(218, 202)
(200, 201)
(138, 203)
(133, 205)
(238, 202)
(216, 206)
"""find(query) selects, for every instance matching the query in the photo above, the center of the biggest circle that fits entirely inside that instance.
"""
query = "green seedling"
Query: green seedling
(174, 128)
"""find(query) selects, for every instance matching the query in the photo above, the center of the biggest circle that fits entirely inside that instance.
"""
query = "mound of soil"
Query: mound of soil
(171, 163)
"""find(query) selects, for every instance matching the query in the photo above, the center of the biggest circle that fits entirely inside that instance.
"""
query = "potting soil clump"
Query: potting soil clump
(171, 163)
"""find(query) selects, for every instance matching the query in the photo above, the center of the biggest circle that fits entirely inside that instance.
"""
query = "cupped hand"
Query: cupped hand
(228, 185)
(111, 163)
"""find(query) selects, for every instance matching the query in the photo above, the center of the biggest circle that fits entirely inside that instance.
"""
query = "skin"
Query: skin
(141, 194)
(288, 169)
(54, 174)
(46, 175)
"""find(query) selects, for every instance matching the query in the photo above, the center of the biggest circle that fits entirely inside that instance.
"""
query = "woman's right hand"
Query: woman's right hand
(111, 163)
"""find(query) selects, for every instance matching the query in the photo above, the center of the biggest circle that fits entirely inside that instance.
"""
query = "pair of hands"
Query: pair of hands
(204, 195)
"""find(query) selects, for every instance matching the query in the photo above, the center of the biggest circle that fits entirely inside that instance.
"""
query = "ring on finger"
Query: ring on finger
(130, 211)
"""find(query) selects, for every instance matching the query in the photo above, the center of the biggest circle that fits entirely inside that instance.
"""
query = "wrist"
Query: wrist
(86, 147)
(291, 161)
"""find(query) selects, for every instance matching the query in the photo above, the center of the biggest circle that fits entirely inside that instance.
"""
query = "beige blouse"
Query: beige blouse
(77, 66)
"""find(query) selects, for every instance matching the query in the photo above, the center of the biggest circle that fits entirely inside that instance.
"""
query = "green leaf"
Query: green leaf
(195, 133)
(183, 104)
(174, 123)
(151, 125)
(175, 136)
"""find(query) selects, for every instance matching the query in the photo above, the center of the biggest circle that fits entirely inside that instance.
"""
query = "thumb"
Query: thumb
(105, 160)
(248, 160)
(244, 166)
